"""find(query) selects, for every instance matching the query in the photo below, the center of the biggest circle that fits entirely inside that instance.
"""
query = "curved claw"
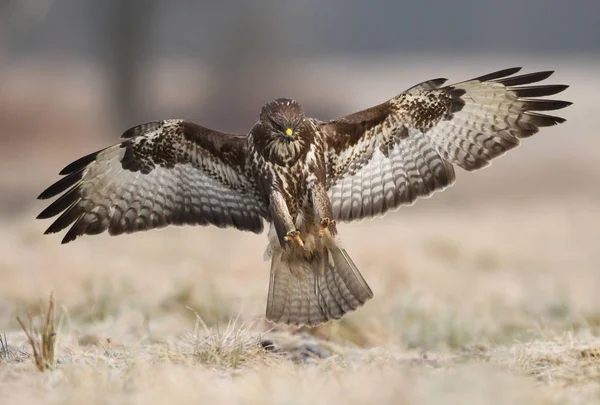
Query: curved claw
(294, 236)
(326, 223)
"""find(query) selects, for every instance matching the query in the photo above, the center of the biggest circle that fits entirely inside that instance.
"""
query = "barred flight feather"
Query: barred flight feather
(424, 131)
(159, 175)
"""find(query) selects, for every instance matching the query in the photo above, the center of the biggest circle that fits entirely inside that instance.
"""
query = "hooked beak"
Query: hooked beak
(289, 134)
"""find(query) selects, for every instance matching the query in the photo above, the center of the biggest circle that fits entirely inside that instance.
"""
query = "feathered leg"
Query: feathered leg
(284, 224)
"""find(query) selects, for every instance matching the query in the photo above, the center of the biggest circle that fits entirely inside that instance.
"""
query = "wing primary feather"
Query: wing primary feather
(498, 75)
(525, 79)
(439, 81)
(74, 231)
(67, 218)
(61, 185)
(543, 120)
(474, 122)
(544, 105)
(539, 91)
(61, 204)
(110, 190)
(80, 163)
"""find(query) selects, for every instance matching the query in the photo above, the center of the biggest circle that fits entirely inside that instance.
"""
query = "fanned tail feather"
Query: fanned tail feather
(312, 290)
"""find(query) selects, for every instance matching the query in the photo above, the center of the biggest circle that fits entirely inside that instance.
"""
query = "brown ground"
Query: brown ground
(486, 293)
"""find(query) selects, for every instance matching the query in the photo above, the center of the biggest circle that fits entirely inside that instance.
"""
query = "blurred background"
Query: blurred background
(520, 236)
(75, 74)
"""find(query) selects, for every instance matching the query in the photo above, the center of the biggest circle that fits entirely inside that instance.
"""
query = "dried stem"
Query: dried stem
(44, 350)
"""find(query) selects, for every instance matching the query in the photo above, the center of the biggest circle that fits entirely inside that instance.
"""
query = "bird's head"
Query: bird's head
(283, 119)
(283, 134)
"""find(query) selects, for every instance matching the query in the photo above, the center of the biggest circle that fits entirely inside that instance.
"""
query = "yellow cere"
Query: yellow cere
(288, 131)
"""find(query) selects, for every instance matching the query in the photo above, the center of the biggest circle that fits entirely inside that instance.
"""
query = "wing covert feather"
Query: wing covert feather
(389, 155)
(162, 173)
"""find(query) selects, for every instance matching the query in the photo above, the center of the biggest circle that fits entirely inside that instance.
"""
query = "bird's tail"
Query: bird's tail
(312, 289)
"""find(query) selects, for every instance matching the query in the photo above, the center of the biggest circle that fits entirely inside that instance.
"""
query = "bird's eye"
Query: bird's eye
(277, 126)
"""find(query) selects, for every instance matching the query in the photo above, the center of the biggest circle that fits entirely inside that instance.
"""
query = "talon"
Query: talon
(325, 223)
(294, 236)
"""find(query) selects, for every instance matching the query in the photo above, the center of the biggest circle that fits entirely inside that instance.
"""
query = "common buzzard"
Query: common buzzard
(302, 175)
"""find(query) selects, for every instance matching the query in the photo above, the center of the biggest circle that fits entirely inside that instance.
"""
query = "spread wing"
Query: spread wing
(163, 172)
(389, 155)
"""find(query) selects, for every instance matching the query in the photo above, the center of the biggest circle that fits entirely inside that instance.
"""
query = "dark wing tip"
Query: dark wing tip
(44, 195)
(68, 238)
(142, 129)
(61, 185)
(539, 91)
(44, 215)
(61, 204)
(48, 193)
(79, 163)
(499, 74)
(559, 120)
(534, 104)
(76, 230)
(544, 120)
(439, 81)
(526, 78)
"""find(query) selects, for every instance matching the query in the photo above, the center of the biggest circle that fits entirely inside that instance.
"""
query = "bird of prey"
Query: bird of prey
(302, 176)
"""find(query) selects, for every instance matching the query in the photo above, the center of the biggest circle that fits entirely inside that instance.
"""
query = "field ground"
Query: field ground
(496, 304)
(486, 293)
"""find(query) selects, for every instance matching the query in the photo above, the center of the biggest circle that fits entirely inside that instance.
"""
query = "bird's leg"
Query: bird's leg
(284, 224)
(323, 211)
(294, 236)
(324, 224)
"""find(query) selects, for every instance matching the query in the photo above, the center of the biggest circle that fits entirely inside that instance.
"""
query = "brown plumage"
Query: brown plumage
(301, 175)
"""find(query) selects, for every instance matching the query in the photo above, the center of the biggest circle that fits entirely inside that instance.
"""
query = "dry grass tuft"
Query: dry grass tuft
(43, 344)
(566, 360)
(5, 352)
(230, 348)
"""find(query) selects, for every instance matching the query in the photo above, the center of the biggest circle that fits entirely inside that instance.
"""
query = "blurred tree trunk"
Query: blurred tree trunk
(128, 32)
(249, 55)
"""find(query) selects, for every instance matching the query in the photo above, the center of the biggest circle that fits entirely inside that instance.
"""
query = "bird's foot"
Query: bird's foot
(294, 236)
(326, 223)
